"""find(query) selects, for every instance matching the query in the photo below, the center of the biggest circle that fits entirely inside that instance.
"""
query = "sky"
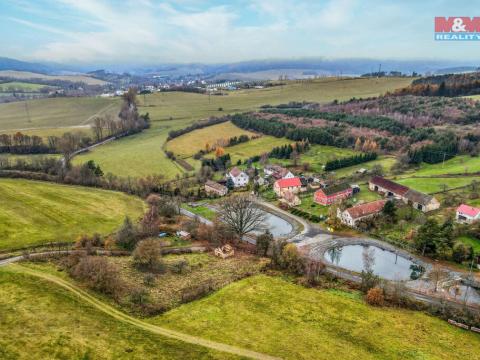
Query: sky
(186, 31)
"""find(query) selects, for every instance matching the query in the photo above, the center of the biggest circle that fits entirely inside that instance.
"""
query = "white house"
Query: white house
(238, 177)
(467, 214)
(354, 214)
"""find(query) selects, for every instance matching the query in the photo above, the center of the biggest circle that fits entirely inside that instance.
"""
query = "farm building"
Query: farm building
(238, 177)
(291, 184)
(354, 214)
(391, 189)
(467, 214)
(214, 188)
(421, 201)
(387, 187)
(278, 172)
(332, 194)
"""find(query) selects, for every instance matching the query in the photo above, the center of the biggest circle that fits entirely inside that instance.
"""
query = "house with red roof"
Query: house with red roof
(293, 185)
(467, 214)
(354, 214)
(332, 194)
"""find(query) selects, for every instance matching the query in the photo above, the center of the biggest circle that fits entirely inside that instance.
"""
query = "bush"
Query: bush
(375, 297)
(126, 236)
(180, 267)
(98, 274)
(149, 280)
(147, 256)
(292, 259)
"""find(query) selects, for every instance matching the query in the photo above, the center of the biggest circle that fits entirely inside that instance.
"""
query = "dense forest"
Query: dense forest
(349, 161)
(444, 85)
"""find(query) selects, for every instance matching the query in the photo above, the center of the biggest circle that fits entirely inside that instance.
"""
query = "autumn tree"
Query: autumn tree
(220, 151)
(147, 256)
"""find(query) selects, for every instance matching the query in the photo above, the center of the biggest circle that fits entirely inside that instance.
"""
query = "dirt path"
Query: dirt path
(120, 316)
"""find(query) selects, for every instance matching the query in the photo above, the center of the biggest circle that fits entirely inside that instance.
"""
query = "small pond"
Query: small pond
(385, 264)
(276, 225)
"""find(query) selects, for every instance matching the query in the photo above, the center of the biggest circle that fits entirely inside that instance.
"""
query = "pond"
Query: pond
(276, 225)
(385, 263)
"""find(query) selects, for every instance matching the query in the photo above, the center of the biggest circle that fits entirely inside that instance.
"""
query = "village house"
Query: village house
(278, 172)
(466, 214)
(332, 194)
(290, 199)
(354, 214)
(238, 177)
(291, 184)
(214, 188)
(416, 199)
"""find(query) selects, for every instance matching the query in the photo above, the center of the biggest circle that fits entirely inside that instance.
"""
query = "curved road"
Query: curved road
(120, 316)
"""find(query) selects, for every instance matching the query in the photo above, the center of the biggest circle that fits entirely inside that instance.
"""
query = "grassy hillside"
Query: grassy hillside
(20, 86)
(137, 155)
(274, 316)
(431, 185)
(192, 142)
(34, 212)
(142, 154)
(54, 112)
(40, 320)
(457, 165)
(254, 147)
(74, 78)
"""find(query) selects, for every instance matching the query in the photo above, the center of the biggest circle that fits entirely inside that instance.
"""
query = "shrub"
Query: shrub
(180, 267)
(375, 297)
(147, 256)
(126, 236)
(98, 274)
(292, 259)
(149, 280)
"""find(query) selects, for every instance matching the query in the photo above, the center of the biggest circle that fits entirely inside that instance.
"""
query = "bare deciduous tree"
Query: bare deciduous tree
(242, 215)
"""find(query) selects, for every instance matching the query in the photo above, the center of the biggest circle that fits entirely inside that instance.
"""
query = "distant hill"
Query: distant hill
(26, 75)
(17, 65)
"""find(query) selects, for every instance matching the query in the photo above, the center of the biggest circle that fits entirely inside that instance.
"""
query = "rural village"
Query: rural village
(208, 206)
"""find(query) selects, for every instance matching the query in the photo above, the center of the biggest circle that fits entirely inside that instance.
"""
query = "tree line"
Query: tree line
(350, 161)
(286, 151)
(363, 121)
(195, 126)
(444, 85)
(334, 136)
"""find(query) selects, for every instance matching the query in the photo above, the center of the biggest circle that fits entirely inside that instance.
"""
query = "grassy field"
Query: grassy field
(20, 86)
(203, 211)
(54, 112)
(386, 162)
(255, 147)
(141, 154)
(431, 185)
(29, 75)
(458, 165)
(40, 320)
(274, 316)
(137, 155)
(471, 241)
(34, 212)
(189, 144)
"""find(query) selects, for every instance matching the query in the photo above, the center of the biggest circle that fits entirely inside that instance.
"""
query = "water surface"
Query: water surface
(386, 264)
